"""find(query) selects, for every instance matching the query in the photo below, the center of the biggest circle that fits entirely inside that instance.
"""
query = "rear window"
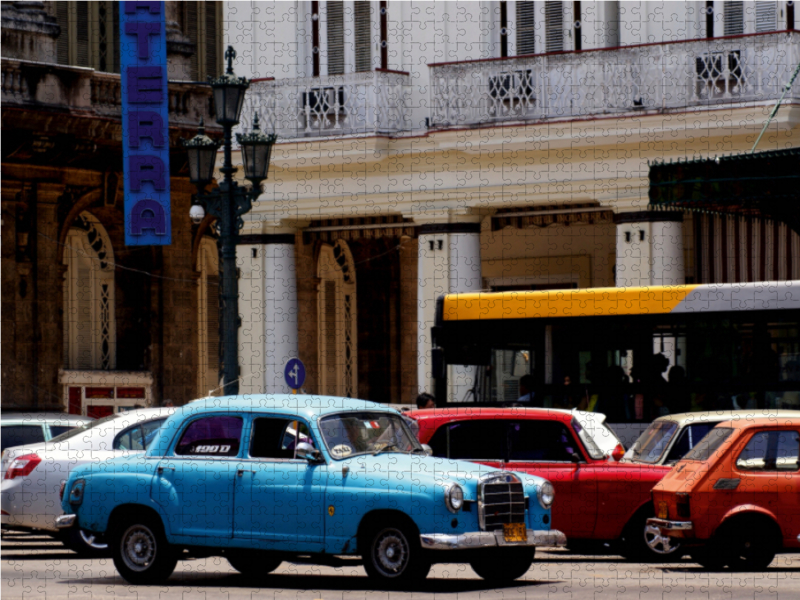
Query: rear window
(19, 435)
(706, 447)
(56, 430)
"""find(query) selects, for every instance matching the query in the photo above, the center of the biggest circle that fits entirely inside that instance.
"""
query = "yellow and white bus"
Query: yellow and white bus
(632, 353)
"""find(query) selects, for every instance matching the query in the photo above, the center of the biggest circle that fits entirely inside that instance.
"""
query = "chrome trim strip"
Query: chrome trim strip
(65, 521)
(489, 539)
(671, 525)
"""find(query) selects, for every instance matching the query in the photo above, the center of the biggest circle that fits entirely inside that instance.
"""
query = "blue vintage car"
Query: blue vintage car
(262, 479)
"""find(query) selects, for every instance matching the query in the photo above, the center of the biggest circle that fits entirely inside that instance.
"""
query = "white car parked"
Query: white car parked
(34, 473)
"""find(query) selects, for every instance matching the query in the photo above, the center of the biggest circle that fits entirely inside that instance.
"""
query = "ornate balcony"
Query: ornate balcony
(374, 102)
(672, 75)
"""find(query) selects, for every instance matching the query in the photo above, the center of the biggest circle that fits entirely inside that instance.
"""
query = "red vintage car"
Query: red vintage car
(734, 500)
(597, 498)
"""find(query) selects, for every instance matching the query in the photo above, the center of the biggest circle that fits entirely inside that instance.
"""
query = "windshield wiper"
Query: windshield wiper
(386, 447)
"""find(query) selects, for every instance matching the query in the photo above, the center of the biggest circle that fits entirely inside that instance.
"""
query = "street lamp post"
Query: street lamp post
(229, 202)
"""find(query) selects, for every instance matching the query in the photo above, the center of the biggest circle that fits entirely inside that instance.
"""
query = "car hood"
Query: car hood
(427, 469)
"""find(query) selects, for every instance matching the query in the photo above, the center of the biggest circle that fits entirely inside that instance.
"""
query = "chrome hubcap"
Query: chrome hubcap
(138, 547)
(391, 550)
(660, 544)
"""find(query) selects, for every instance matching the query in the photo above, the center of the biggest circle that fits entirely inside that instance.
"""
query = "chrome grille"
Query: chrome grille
(502, 500)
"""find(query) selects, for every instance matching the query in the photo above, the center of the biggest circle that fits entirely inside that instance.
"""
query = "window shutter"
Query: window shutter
(734, 18)
(766, 16)
(62, 42)
(363, 30)
(525, 28)
(212, 328)
(335, 14)
(82, 34)
(211, 40)
(190, 19)
(554, 26)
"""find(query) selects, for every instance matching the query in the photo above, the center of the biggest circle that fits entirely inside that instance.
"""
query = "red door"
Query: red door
(546, 448)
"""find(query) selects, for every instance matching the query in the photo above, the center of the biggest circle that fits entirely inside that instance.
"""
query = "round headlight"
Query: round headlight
(546, 494)
(454, 498)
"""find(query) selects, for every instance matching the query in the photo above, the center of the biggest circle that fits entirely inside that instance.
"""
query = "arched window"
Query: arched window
(208, 317)
(89, 323)
(337, 321)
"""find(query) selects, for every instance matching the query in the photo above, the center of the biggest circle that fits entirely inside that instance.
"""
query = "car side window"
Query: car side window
(546, 441)
(688, 440)
(130, 439)
(470, 440)
(150, 429)
(56, 430)
(277, 438)
(771, 451)
(17, 435)
(211, 436)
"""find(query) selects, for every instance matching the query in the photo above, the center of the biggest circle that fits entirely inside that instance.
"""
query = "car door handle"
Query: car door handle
(160, 470)
(241, 472)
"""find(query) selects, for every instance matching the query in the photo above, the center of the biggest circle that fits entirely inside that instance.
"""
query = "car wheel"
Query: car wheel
(393, 555)
(747, 549)
(85, 543)
(642, 543)
(253, 564)
(504, 564)
(141, 552)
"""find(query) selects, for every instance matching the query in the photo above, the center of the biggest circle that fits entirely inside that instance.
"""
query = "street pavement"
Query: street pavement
(38, 567)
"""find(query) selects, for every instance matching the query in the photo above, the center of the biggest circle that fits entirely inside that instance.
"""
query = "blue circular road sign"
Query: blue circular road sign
(294, 373)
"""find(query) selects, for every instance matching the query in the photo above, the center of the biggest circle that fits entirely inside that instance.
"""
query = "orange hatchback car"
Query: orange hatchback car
(734, 500)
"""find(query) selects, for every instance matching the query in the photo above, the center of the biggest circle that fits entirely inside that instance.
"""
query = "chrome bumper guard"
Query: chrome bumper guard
(489, 539)
(65, 521)
(666, 526)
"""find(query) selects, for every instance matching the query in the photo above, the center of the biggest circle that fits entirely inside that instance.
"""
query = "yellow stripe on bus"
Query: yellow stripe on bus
(564, 303)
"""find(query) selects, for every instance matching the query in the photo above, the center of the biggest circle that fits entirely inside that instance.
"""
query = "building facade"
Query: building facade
(89, 324)
(433, 147)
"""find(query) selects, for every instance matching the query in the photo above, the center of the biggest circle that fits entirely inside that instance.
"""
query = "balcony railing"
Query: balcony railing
(358, 103)
(671, 75)
(53, 86)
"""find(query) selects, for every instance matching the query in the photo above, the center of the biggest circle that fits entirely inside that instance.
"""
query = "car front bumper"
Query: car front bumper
(673, 529)
(490, 539)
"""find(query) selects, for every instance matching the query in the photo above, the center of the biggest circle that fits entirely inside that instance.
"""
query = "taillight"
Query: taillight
(682, 505)
(618, 452)
(22, 466)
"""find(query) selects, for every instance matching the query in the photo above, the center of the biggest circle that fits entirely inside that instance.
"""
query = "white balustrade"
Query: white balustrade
(357, 103)
(671, 75)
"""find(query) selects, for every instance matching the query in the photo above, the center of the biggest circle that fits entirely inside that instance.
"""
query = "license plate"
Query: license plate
(663, 510)
(515, 532)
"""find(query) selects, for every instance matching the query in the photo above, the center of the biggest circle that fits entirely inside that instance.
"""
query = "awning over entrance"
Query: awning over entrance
(765, 184)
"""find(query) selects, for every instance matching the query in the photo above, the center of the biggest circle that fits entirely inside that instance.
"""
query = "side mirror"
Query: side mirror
(306, 451)
(428, 450)
(576, 458)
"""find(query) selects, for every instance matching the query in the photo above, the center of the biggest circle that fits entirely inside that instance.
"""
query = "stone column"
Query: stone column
(649, 248)
(179, 47)
(268, 337)
(449, 260)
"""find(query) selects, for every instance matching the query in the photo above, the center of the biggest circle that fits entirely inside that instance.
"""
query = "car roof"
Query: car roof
(43, 417)
(717, 416)
(762, 422)
(484, 412)
(307, 405)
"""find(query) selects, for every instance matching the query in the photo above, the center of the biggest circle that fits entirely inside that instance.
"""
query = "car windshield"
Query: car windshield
(349, 434)
(83, 428)
(709, 444)
(652, 443)
(588, 442)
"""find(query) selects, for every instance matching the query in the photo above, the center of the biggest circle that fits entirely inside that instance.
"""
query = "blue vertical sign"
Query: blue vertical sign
(145, 125)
